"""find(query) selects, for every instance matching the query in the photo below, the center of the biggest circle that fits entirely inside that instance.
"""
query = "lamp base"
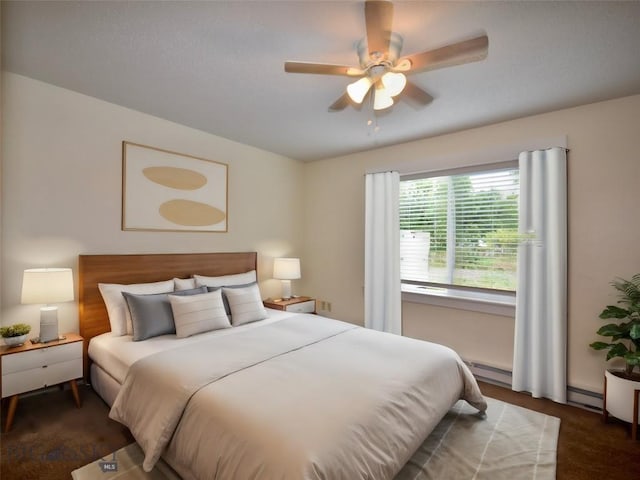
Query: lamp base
(286, 289)
(48, 324)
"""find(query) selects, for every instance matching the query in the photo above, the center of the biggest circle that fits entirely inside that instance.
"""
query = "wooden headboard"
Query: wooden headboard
(125, 269)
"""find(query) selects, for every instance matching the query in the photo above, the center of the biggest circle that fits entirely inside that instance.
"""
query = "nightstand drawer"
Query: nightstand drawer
(302, 307)
(33, 359)
(27, 380)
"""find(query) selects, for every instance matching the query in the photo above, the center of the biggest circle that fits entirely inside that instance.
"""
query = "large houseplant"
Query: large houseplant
(621, 385)
(625, 334)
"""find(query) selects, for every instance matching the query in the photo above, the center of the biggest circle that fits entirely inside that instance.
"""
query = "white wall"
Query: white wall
(604, 172)
(61, 190)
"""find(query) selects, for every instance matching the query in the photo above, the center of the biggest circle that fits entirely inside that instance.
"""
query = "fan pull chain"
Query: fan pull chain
(372, 126)
(372, 122)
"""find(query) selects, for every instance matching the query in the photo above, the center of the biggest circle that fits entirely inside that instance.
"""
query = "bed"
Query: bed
(292, 396)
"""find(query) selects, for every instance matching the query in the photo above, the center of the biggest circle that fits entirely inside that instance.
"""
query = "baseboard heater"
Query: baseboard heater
(575, 396)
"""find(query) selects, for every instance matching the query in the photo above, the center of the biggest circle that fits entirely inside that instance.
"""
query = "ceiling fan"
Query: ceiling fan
(382, 72)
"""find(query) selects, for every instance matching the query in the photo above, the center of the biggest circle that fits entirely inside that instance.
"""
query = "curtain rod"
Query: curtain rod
(464, 167)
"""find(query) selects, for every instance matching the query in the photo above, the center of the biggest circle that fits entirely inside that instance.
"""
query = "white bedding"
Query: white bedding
(301, 398)
(116, 354)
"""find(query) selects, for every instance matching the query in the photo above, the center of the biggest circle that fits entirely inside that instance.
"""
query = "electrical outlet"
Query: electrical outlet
(324, 305)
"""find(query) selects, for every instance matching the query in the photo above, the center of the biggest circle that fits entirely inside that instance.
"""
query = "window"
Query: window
(461, 228)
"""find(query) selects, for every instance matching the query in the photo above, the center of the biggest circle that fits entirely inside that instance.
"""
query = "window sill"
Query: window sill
(494, 303)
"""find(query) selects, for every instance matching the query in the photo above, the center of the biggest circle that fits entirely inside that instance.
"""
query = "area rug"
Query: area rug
(509, 443)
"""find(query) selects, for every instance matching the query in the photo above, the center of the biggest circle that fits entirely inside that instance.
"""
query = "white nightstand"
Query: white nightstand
(37, 365)
(295, 304)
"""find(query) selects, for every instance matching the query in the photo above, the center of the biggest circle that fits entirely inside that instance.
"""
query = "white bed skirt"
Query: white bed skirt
(104, 384)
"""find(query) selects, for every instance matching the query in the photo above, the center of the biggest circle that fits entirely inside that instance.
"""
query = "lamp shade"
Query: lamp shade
(286, 268)
(394, 83)
(357, 90)
(382, 98)
(47, 285)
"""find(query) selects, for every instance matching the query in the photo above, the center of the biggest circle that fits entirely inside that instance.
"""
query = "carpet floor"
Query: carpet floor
(51, 437)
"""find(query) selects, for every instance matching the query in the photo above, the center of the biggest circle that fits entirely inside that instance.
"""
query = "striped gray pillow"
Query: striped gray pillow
(245, 304)
(198, 313)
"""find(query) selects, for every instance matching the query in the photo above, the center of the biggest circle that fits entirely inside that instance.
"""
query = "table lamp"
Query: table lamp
(47, 285)
(286, 269)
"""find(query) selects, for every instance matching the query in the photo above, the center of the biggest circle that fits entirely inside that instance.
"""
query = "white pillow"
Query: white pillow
(198, 313)
(184, 283)
(119, 316)
(226, 280)
(246, 304)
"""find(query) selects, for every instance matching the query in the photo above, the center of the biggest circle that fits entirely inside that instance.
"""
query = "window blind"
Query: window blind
(461, 229)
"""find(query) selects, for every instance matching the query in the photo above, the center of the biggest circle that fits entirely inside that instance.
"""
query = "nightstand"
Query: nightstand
(37, 365)
(295, 304)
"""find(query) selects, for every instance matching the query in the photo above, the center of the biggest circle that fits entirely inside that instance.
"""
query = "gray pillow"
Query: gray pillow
(246, 304)
(151, 315)
(227, 308)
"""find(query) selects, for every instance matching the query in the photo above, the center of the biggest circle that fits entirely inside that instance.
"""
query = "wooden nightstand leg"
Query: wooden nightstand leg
(74, 390)
(13, 403)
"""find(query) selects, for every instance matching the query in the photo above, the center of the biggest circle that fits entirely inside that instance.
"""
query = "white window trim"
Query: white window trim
(496, 303)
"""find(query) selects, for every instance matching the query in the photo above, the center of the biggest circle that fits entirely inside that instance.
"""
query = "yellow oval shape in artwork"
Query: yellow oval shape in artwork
(191, 214)
(173, 177)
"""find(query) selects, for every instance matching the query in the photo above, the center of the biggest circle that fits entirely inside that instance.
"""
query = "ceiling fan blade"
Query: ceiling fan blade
(322, 69)
(340, 104)
(467, 51)
(415, 96)
(378, 15)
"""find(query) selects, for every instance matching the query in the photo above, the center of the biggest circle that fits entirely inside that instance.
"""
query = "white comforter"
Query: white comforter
(303, 398)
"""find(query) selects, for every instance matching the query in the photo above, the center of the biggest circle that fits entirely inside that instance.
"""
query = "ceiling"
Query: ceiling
(218, 66)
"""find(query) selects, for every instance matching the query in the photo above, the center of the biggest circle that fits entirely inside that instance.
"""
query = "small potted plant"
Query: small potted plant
(625, 345)
(16, 334)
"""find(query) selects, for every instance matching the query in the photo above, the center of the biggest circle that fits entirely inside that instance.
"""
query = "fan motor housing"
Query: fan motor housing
(368, 60)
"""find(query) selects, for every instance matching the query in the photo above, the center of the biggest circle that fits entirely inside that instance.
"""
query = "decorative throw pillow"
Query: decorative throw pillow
(119, 316)
(226, 280)
(245, 304)
(151, 315)
(198, 313)
(224, 297)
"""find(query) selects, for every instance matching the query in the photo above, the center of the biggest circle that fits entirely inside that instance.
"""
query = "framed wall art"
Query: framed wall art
(169, 191)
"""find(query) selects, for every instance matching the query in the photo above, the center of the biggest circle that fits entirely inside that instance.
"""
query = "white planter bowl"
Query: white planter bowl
(620, 394)
(15, 341)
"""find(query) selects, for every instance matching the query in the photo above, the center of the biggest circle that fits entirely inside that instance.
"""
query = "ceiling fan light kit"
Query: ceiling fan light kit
(389, 85)
(381, 66)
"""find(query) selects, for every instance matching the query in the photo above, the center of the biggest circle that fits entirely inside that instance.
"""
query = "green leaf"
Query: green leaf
(617, 350)
(632, 358)
(634, 331)
(614, 312)
(599, 345)
(612, 330)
